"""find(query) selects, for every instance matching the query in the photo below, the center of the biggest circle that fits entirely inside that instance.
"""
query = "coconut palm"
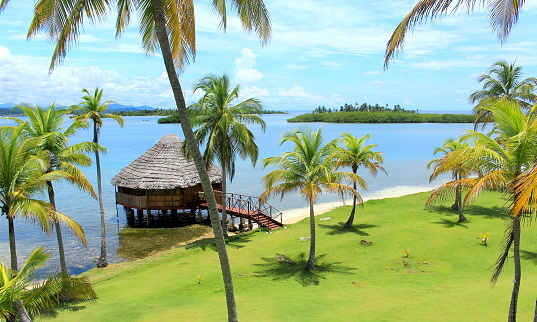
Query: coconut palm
(19, 289)
(47, 124)
(92, 108)
(222, 127)
(355, 154)
(503, 15)
(24, 172)
(503, 81)
(167, 26)
(308, 169)
(498, 161)
(457, 170)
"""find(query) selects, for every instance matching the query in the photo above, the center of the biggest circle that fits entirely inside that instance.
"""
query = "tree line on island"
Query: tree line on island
(366, 113)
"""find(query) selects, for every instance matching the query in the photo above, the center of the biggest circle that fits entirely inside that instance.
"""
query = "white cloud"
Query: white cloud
(296, 91)
(249, 91)
(248, 75)
(372, 72)
(244, 66)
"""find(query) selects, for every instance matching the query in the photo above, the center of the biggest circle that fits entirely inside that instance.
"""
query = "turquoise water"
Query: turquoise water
(407, 149)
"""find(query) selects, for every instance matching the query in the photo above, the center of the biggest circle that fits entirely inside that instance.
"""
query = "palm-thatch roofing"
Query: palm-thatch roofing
(161, 167)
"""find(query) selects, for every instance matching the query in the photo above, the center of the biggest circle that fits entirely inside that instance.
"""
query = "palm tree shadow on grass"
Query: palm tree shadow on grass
(71, 306)
(486, 212)
(282, 267)
(450, 224)
(238, 241)
(339, 229)
(529, 256)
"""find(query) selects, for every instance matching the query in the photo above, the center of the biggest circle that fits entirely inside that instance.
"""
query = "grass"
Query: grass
(445, 278)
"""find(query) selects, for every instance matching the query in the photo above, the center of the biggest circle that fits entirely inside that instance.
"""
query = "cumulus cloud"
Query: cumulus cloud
(244, 66)
(296, 91)
(253, 91)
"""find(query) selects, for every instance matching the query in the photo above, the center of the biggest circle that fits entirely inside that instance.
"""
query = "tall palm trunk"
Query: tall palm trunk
(518, 270)
(224, 202)
(349, 222)
(12, 245)
(59, 237)
(102, 259)
(22, 313)
(160, 26)
(311, 260)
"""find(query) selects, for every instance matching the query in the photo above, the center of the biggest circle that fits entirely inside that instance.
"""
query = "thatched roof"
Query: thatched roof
(163, 166)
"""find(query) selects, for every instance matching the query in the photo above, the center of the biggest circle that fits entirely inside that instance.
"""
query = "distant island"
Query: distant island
(174, 118)
(365, 113)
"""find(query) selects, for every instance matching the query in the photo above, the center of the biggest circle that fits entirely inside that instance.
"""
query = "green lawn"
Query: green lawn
(446, 277)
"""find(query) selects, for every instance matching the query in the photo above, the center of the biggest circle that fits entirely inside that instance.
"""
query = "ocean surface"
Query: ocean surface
(407, 149)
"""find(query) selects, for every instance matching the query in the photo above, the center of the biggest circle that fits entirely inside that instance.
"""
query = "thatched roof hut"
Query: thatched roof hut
(162, 178)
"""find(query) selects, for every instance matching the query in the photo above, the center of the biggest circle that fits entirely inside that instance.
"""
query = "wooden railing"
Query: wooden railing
(249, 203)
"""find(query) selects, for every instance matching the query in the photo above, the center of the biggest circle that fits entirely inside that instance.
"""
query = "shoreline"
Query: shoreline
(297, 214)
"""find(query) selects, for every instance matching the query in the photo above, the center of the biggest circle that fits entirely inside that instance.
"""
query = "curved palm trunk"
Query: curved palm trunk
(102, 259)
(518, 270)
(311, 260)
(349, 222)
(59, 237)
(224, 202)
(160, 26)
(458, 197)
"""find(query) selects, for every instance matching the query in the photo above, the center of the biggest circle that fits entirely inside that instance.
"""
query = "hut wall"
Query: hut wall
(165, 199)
(132, 198)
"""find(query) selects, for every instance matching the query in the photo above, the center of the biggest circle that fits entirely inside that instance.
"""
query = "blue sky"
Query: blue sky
(321, 53)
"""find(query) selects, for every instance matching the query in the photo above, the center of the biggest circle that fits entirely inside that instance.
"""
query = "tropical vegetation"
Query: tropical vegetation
(496, 160)
(24, 289)
(382, 117)
(24, 172)
(95, 110)
(308, 169)
(364, 107)
(458, 169)
(354, 153)
(222, 127)
(503, 81)
(46, 124)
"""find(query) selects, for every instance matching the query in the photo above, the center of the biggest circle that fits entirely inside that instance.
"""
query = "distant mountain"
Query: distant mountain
(7, 105)
(121, 108)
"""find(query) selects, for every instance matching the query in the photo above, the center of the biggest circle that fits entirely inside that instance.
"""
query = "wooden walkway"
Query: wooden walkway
(250, 208)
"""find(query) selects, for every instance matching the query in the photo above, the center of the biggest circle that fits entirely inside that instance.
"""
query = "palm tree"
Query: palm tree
(503, 15)
(458, 171)
(222, 125)
(18, 289)
(498, 161)
(503, 80)
(24, 172)
(94, 109)
(47, 124)
(167, 26)
(355, 154)
(308, 169)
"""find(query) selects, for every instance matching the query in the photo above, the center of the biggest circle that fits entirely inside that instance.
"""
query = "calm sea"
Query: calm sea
(407, 149)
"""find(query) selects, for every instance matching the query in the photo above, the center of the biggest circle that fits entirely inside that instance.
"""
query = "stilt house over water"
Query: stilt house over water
(165, 189)
(161, 182)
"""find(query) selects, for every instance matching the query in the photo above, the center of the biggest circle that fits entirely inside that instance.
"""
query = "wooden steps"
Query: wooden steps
(261, 219)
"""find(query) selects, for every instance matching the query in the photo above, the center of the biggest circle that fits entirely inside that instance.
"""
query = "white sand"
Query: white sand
(294, 215)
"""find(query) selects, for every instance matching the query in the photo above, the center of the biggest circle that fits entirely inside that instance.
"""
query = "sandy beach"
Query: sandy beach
(294, 215)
